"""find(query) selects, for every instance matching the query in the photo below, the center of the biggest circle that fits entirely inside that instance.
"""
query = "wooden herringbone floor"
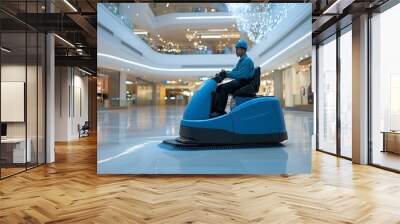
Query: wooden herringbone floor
(70, 191)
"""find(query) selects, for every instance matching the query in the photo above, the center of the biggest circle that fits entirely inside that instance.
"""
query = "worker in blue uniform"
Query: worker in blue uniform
(241, 75)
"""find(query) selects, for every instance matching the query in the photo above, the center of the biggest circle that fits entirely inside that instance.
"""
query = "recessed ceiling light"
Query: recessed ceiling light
(204, 17)
(211, 36)
(218, 30)
(5, 50)
(65, 41)
(141, 32)
(70, 5)
(86, 72)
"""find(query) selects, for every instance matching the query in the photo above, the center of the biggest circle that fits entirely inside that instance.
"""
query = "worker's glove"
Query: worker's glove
(223, 73)
(219, 77)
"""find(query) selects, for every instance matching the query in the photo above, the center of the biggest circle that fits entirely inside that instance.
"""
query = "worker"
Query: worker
(241, 75)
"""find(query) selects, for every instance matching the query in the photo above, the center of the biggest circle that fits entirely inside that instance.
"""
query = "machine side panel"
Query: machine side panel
(259, 116)
(199, 107)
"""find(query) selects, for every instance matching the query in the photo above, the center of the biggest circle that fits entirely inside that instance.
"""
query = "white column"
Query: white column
(62, 110)
(360, 90)
(314, 90)
(122, 89)
(50, 99)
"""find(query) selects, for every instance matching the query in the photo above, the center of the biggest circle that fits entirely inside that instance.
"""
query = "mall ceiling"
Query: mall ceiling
(75, 23)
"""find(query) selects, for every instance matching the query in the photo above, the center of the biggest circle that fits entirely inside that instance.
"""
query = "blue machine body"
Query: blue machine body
(254, 120)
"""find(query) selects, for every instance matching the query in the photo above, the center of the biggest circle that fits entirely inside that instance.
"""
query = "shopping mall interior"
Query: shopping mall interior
(152, 61)
(90, 88)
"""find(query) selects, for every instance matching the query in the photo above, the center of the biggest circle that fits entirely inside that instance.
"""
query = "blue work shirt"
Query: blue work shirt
(244, 69)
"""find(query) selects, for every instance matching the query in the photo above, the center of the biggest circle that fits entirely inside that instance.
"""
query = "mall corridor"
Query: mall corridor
(130, 142)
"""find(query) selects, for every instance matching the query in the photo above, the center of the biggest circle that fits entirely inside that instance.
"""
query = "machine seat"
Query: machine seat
(249, 91)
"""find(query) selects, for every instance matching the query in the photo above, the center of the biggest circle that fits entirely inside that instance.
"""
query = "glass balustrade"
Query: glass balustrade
(194, 46)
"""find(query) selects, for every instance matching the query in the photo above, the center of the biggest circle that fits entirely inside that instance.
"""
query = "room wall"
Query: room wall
(34, 125)
(71, 87)
(17, 73)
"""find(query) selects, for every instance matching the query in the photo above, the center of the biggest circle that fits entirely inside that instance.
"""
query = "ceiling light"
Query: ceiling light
(141, 32)
(128, 82)
(159, 68)
(327, 11)
(204, 17)
(284, 50)
(70, 5)
(218, 30)
(5, 50)
(65, 41)
(233, 35)
(86, 72)
(210, 36)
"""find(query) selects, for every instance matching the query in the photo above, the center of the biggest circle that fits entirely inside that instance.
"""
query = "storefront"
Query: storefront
(335, 74)
(385, 89)
(334, 83)
(292, 85)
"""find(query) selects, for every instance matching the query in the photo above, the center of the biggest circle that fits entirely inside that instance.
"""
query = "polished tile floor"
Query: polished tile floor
(130, 142)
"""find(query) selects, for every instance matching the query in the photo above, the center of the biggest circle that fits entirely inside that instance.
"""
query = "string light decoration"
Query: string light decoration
(258, 19)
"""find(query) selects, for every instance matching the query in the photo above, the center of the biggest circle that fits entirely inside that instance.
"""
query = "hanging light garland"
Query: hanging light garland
(258, 19)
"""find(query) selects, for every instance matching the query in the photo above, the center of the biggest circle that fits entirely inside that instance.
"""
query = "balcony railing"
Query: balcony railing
(125, 20)
(114, 9)
(159, 9)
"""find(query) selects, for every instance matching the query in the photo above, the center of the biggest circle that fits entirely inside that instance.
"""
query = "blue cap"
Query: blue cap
(241, 43)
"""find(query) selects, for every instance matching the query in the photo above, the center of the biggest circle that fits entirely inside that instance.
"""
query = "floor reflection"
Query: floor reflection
(129, 142)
